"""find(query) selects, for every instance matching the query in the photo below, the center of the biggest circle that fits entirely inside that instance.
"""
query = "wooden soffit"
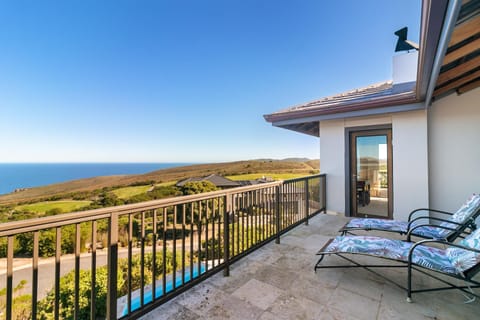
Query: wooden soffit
(460, 70)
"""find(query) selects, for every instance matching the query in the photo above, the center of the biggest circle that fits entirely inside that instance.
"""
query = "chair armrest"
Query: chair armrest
(410, 216)
(409, 233)
(431, 218)
(450, 244)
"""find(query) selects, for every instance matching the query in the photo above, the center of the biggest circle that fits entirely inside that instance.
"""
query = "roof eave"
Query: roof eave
(398, 99)
(431, 24)
(448, 24)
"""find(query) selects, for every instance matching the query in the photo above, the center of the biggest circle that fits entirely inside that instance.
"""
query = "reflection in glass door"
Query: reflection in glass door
(371, 159)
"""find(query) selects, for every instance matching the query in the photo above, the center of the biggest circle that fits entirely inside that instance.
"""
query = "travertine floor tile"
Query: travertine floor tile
(171, 311)
(292, 307)
(354, 305)
(258, 293)
(233, 308)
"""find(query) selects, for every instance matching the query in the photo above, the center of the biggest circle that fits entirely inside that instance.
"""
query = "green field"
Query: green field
(166, 184)
(128, 192)
(274, 176)
(64, 205)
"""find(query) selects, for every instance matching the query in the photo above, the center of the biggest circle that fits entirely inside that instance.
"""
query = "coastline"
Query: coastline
(23, 176)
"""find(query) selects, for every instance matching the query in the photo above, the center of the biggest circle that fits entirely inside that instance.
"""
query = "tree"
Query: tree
(67, 295)
(22, 303)
(196, 187)
(199, 210)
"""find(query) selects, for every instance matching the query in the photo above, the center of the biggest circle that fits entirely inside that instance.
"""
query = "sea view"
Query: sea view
(26, 175)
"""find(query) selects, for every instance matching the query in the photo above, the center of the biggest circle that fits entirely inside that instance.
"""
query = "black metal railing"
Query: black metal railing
(154, 250)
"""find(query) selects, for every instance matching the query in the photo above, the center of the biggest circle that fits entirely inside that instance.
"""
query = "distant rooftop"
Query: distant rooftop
(222, 182)
(218, 181)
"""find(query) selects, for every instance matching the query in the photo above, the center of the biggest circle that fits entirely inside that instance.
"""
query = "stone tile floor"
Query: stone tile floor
(278, 282)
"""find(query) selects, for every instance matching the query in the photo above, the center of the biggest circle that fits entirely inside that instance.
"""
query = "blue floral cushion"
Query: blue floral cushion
(463, 259)
(396, 226)
(466, 211)
(383, 224)
(431, 232)
(429, 257)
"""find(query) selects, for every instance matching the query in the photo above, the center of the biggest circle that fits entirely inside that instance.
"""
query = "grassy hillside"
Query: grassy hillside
(264, 166)
(127, 192)
(64, 206)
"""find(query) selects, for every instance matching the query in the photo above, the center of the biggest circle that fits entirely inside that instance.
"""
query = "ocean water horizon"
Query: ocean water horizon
(28, 175)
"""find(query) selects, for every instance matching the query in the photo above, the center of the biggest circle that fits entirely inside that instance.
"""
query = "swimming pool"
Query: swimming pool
(168, 287)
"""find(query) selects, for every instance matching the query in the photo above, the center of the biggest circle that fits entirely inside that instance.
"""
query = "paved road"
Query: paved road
(46, 271)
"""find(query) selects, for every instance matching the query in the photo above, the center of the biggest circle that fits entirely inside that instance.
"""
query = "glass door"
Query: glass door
(370, 173)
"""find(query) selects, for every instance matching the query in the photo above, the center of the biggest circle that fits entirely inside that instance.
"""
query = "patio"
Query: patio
(277, 282)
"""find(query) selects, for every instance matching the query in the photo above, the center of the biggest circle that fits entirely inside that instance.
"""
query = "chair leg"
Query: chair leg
(318, 262)
(409, 284)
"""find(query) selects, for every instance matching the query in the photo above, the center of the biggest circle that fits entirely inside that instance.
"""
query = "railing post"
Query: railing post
(58, 255)
(9, 278)
(226, 235)
(76, 312)
(93, 268)
(277, 213)
(112, 267)
(307, 202)
(324, 187)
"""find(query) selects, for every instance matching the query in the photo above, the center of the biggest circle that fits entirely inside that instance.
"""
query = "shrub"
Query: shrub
(67, 286)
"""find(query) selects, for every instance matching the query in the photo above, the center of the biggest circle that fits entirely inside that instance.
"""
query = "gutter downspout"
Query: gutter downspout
(448, 25)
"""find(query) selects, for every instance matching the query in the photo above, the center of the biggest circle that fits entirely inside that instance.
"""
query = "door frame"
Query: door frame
(347, 161)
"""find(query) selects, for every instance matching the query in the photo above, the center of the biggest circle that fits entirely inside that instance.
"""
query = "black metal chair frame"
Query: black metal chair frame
(467, 275)
(455, 233)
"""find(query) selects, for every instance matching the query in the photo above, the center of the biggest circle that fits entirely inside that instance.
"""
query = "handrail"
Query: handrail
(210, 231)
(28, 225)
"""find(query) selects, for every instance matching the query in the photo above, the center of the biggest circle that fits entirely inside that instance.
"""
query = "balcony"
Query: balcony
(243, 253)
(124, 261)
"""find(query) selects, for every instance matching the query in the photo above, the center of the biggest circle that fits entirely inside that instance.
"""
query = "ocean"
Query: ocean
(26, 175)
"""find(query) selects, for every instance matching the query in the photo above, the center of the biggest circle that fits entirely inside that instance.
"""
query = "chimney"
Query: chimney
(405, 67)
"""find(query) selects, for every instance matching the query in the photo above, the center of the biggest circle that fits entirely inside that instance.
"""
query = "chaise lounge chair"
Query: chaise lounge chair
(450, 226)
(460, 261)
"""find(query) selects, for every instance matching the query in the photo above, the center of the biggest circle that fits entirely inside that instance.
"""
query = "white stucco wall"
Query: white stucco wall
(454, 147)
(332, 154)
(410, 161)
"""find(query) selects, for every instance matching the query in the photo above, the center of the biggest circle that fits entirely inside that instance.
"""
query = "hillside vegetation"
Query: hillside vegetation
(44, 207)
(297, 167)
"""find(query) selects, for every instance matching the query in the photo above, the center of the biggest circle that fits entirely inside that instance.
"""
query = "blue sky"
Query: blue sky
(181, 81)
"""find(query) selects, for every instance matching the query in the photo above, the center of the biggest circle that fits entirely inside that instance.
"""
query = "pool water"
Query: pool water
(168, 287)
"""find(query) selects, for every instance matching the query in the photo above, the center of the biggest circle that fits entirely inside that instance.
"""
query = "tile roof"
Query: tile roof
(368, 93)
(372, 96)
(217, 180)
(371, 91)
